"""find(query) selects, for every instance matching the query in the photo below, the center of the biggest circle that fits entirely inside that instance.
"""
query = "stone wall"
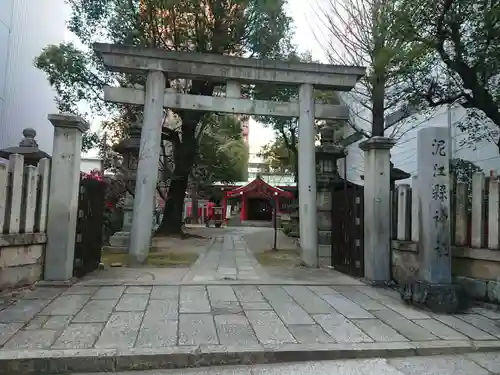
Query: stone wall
(478, 270)
(23, 215)
(475, 234)
(21, 259)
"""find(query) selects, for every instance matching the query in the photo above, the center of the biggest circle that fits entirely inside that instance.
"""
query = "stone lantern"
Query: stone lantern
(327, 174)
(129, 149)
(28, 147)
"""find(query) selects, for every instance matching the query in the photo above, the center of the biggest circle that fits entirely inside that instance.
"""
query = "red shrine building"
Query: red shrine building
(255, 201)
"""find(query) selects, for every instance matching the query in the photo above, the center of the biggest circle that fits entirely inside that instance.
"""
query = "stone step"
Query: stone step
(31, 362)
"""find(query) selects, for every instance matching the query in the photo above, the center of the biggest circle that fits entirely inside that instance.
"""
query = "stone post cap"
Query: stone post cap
(68, 120)
(377, 143)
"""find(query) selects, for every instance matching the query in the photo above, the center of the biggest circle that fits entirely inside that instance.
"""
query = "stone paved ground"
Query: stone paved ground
(226, 300)
(469, 364)
(84, 317)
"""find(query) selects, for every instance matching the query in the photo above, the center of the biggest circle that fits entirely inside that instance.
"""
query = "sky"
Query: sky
(303, 14)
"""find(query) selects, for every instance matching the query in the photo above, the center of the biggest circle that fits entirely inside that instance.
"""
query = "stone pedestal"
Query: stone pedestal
(434, 288)
(119, 241)
(63, 196)
(377, 202)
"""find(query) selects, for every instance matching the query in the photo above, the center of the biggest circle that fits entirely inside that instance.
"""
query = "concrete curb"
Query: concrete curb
(259, 282)
(54, 362)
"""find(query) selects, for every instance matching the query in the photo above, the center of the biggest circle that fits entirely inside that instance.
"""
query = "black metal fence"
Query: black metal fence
(347, 229)
(89, 226)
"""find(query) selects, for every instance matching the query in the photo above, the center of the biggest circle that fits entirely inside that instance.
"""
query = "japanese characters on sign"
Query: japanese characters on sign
(440, 196)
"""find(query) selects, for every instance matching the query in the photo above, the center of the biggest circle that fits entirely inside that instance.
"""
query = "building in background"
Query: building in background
(26, 97)
(404, 154)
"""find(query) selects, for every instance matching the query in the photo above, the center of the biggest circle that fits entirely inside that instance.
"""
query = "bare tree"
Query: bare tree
(364, 33)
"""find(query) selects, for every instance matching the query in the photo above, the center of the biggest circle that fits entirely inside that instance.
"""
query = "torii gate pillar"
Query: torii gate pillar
(147, 168)
(307, 177)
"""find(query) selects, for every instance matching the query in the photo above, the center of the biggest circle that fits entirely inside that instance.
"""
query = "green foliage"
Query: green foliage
(223, 154)
(279, 157)
(452, 57)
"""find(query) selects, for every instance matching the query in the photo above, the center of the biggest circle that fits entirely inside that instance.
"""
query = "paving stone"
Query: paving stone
(57, 322)
(256, 306)
(138, 290)
(37, 322)
(308, 300)
(159, 333)
(441, 330)
(406, 311)
(362, 300)
(66, 305)
(96, 311)
(269, 328)
(194, 299)
(120, 331)
(482, 322)
(80, 289)
(7, 330)
(248, 294)
(34, 339)
(404, 326)
(196, 329)
(156, 310)
(22, 311)
(463, 327)
(378, 330)
(226, 307)
(310, 334)
(234, 329)
(221, 293)
(132, 302)
(289, 311)
(383, 296)
(490, 361)
(346, 307)
(109, 292)
(323, 290)
(441, 365)
(165, 292)
(340, 328)
(492, 314)
(79, 336)
(43, 293)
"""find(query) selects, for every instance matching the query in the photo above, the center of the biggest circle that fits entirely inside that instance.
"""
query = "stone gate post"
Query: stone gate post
(147, 168)
(63, 196)
(377, 201)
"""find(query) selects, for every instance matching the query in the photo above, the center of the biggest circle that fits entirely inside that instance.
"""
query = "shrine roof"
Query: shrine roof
(259, 187)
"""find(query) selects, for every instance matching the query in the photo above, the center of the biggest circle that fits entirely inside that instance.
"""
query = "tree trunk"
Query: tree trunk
(296, 173)
(184, 156)
(172, 214)
(379, 75)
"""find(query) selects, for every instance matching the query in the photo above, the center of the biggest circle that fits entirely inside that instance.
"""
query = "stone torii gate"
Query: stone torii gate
(232, 71)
